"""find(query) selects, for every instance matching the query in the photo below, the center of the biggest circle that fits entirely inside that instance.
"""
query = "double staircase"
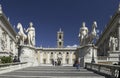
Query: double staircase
(51, 72)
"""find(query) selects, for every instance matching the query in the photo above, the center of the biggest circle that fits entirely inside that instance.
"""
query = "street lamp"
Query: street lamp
(93, 60)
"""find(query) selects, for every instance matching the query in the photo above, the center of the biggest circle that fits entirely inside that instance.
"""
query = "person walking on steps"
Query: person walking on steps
(78, 64)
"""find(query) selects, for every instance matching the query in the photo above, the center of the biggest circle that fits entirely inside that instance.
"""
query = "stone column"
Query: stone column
(70, 58)
(48, 58)
(63, 58)
(119, 35)
(41, 57)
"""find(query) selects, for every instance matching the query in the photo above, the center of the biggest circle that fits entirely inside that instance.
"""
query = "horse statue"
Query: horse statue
(21, 35)
(93, 33)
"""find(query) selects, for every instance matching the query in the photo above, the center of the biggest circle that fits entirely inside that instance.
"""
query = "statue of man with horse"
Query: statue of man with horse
(28, 39)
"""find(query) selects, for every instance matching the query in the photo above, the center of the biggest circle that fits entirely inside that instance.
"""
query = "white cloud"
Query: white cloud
(73, 46)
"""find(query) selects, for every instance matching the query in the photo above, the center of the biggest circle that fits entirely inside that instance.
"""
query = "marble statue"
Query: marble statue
(93, 33)
(31, 34)
(86, 38)
(83, 33)
(21, 35)
(113, 43)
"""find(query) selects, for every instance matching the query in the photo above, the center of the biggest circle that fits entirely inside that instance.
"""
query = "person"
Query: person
(15, 59)
(78, 64)
(31, 34)
(53, 63)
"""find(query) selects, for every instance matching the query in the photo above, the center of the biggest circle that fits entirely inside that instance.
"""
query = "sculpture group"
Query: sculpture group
(113, 43)
(84, 36)
(28, 39)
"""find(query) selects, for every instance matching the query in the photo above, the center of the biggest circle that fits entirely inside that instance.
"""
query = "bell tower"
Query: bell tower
(60, 39)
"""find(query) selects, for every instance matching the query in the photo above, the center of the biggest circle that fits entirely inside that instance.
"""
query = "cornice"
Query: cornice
(7, 26)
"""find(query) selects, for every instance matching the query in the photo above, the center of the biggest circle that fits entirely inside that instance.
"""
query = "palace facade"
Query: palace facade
(66, 56)
(8, 43)
(105, 43)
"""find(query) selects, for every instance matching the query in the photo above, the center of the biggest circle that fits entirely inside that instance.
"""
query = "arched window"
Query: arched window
(60, 37)
(59, 52)
(51, 55)
(67, 54)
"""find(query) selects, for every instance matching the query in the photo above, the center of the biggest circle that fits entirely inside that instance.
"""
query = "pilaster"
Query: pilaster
(119, 34)
(48, 57)
(55, 56)
(0, 38)
(41, 57)
(70, 58)
(63, 58)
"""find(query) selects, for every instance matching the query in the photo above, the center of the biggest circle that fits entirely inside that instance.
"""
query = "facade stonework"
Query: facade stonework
(109, 41)
(66, 56)
(8, 44)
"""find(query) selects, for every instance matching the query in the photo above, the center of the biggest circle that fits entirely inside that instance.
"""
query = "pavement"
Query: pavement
(51, 72)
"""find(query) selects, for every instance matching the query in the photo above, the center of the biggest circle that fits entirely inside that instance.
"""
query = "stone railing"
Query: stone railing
(110, 71)
(102, 58)
(8, 67)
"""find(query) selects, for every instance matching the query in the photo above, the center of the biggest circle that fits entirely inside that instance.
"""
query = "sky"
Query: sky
(48, 16)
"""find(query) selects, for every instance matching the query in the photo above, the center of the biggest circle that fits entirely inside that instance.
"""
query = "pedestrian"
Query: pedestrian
(78, 64)
(53, 63)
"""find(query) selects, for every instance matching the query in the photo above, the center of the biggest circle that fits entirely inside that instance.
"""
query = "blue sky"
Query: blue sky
(50, 15)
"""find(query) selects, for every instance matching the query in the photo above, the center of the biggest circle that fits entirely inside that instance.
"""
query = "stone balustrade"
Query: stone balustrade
(110, 71)
(8, 67)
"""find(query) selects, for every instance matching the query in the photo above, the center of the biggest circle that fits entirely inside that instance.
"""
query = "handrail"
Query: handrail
(107, 70)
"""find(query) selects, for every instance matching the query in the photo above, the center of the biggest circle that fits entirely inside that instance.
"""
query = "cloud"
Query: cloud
(73, 46)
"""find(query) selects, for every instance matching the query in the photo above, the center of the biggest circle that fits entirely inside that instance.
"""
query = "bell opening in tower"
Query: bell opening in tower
(60, 43)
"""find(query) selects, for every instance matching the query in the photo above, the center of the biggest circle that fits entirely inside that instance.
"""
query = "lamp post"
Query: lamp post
(93, 60)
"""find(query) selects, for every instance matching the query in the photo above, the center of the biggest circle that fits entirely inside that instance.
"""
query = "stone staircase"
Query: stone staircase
(51, 72)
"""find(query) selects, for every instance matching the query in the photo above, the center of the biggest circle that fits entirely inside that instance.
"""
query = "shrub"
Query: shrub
(6, 59)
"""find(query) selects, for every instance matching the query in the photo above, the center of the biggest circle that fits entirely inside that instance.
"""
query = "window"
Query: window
(60, 43)
(60, 37)
(59, 52)
(67, 54)
(51, 55)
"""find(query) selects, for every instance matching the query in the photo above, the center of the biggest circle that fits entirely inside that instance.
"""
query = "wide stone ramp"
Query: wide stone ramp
(51, 72)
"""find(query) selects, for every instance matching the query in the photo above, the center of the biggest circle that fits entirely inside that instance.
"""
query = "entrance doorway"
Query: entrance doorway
(59, 61)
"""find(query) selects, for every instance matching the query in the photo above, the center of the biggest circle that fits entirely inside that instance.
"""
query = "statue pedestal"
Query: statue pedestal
(114, 56)
(28, 54)
(88, 54)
